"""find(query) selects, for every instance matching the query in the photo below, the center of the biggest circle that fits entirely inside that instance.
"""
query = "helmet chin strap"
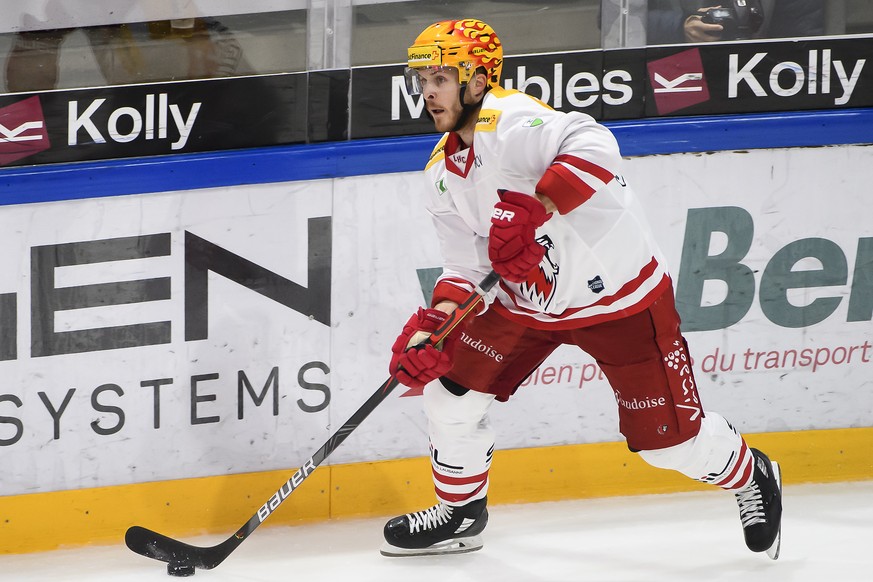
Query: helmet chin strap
(467, 110)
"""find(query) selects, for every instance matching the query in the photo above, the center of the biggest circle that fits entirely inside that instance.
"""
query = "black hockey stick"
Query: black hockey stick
(182, 558)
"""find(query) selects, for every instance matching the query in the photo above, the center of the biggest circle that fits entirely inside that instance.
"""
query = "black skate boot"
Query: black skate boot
(761, 507)
(442, 529)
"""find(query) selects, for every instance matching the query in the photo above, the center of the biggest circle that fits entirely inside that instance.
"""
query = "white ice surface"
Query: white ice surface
(827, 535)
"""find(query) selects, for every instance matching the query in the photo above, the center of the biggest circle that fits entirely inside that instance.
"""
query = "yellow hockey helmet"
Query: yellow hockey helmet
(464, 45)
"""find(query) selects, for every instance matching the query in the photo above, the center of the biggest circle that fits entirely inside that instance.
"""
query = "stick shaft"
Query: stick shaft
(153, 545)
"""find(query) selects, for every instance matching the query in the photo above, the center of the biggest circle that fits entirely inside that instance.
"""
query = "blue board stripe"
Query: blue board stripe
(406, 154)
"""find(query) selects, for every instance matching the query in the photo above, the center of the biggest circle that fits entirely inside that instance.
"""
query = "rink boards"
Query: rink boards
(169, 354)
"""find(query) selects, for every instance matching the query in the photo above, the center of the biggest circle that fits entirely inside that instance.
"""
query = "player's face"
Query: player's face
(441, 89)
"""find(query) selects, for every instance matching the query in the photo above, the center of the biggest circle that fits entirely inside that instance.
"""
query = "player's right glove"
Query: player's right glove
(512, 246)
(417, 366)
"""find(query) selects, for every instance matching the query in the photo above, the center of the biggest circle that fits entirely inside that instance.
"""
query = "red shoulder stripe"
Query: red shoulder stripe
(598, 172)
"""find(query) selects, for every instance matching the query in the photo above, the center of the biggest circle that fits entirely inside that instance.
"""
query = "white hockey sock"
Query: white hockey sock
(461, 441)
(717, 455)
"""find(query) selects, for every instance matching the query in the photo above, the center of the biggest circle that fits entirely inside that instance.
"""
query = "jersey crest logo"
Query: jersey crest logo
(539, 288)
(533, 122)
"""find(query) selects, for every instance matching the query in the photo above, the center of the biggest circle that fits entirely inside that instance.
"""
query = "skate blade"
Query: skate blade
(773, 551)
(454, 546)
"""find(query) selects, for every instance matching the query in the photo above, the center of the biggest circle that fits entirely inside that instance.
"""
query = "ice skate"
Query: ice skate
(761, 507)
(441, 529)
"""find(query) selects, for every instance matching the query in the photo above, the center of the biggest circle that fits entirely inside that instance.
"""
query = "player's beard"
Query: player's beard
(462, 117)
(467, 112)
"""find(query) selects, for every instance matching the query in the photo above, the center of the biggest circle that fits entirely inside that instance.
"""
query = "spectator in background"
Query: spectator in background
(679, 21)
(191, 48)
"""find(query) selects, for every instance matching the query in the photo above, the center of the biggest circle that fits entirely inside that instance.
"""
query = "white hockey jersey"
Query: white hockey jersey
(601, 260)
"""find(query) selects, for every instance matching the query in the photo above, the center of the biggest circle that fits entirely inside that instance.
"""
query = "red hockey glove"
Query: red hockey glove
(415, 367)
(512, 246)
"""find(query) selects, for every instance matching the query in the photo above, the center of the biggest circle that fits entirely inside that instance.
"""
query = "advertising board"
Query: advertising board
(228, 330)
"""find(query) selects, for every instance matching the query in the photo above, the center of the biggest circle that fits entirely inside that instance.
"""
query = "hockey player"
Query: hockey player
(538, 196)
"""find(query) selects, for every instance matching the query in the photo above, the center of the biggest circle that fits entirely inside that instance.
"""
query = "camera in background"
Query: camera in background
(741, 19)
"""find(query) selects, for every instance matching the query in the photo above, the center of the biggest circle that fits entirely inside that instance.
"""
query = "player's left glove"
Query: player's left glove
(512, 246)
(417, 366)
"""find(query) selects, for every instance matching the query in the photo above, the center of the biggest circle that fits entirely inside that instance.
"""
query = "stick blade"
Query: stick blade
(151, 544)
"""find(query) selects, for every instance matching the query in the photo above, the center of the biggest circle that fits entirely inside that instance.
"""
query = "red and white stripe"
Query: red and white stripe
(738, 472)
(632, 298)
(460, 490)
(570, 181)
